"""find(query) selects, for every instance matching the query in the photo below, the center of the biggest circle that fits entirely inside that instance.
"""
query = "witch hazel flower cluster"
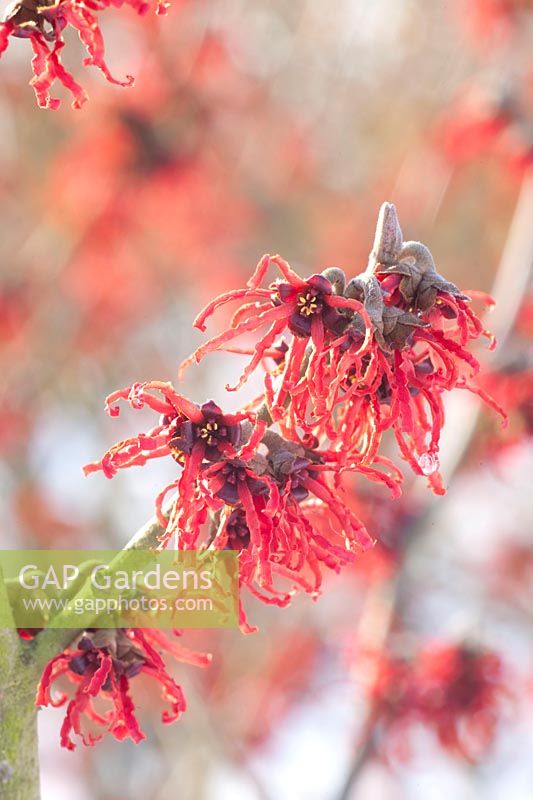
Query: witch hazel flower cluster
(359, 357)
(45, 22)
(344, 361)
(241, 486)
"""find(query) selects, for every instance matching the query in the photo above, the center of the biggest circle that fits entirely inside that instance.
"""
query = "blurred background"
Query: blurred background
(279, 126)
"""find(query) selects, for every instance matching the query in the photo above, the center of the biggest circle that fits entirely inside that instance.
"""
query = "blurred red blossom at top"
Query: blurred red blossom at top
(157, 202)
(44, 24)
(495, 20)
(486, 122)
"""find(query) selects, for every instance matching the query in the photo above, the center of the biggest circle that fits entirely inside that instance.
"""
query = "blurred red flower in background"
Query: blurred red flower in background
(455, 690)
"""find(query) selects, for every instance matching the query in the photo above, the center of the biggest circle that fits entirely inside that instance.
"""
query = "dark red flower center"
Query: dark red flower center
(233, 473)
(30, 17)
(310, 302)
(215, 433)
(89, 658)
(237, 530)
(307, 302)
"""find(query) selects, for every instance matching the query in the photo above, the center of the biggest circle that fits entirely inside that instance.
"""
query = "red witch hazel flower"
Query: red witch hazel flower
(368, 355)
(422, 327)
(284, 518)
(461, 689)
(245, 488)
(485, 123)
(455, 690)
(312, 310)
(101, 667)
(195, 436)
(44, 24)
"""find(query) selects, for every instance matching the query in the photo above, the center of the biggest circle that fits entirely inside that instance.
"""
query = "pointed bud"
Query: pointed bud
(388, 238)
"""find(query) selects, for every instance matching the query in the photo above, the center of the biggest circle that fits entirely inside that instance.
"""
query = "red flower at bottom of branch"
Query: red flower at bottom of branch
(101, 667)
